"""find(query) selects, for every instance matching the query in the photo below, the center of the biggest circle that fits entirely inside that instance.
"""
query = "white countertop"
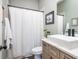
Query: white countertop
(72, 52)
(64, 37)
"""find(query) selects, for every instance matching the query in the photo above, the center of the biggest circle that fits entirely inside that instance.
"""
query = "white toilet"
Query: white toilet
(37, 52)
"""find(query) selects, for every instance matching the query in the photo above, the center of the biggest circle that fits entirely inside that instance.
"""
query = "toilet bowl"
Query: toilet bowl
(37, 51)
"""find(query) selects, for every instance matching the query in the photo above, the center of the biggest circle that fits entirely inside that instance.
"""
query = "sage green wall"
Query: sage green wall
(70, 11)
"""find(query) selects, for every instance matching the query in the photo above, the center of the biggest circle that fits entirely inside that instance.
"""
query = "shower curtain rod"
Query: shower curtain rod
(25, 8)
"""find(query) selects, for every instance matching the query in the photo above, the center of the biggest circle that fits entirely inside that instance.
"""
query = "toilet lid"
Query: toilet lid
(37, 50)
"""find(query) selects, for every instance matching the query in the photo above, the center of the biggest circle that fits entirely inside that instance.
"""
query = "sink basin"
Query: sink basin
(64, 41)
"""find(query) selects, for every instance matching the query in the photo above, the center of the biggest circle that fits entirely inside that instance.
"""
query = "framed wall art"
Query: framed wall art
(49, 18)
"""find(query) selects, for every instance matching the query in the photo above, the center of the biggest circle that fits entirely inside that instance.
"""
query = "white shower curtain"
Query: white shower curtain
(27, 29)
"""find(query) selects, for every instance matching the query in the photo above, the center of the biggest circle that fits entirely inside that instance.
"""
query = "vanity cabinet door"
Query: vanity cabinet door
(54, 52)
(45, 55)
(65, 56)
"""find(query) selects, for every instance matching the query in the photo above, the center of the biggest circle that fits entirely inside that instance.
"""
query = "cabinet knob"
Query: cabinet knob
(51, 58)
(64, 58)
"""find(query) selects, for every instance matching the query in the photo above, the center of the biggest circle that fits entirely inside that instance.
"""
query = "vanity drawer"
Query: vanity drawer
(53, 51)
(45, 54)
(65, 56)
(45, 45)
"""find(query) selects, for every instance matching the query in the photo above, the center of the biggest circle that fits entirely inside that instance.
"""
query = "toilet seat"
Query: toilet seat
(37, 50)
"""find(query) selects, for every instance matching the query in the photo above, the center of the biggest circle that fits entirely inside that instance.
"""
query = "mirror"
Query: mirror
(67, 18)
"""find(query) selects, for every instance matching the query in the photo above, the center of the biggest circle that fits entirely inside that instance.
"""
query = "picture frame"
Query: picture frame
(74, 21)
(49, 18)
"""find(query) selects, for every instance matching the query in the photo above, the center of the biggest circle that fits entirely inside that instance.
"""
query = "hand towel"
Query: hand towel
(8, 33)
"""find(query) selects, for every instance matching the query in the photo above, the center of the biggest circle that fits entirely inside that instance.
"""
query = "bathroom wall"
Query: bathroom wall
(43, 5)
(48, 6)
(32, 4)
(70, 11)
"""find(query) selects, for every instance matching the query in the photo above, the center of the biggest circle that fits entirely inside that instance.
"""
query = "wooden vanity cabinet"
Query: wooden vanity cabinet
(51, 52)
